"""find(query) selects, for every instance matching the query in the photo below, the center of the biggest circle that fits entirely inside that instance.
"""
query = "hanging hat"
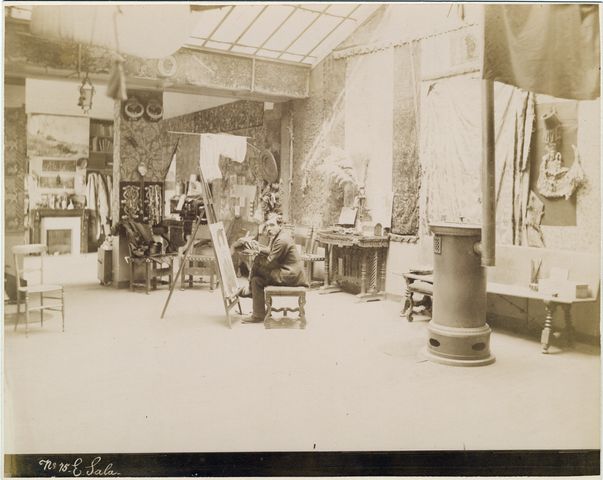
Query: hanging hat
(268, 167)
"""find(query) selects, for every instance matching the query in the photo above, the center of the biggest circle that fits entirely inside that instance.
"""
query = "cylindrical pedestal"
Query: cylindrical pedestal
(458, 333)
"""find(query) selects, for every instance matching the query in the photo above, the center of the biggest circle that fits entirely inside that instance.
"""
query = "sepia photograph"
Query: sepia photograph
(306, 239)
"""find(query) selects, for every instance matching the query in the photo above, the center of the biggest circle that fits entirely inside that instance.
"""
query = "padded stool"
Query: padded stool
(300, 293)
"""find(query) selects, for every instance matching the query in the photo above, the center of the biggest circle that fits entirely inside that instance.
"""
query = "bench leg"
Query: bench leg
(268, 304)
(302, 310)
(545, 337)
(569, 327)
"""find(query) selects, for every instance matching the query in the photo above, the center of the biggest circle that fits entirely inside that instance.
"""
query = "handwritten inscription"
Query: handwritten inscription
(77, 468)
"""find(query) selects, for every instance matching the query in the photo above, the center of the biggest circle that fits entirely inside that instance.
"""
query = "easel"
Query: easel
(229, 301)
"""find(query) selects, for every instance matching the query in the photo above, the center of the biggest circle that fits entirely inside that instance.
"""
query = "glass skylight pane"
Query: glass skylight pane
(236, 23)
(267, 53)
(207, 21)
(317, 7)
(290, 29)
(335, 38)
(291, 58)
(242, 49)
(364, 11)
(343, 10)
(267, 23)
(317, 31)
(217, 45)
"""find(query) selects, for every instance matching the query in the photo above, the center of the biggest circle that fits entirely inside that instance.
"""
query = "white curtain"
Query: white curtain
(369, 127)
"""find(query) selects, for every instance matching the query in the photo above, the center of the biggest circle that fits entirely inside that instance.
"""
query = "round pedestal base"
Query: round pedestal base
(459, 346)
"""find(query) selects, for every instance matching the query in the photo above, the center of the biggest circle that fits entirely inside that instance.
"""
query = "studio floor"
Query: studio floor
(120, 379)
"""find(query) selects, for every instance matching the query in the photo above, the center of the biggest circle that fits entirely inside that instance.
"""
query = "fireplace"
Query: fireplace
(61, 234)
(62, 231)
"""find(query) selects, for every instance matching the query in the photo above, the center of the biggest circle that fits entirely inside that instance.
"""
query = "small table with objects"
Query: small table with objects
(354, 263)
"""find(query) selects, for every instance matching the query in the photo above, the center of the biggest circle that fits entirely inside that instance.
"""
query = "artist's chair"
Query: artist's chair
(285, 322)
(304, 239)
(29, 265)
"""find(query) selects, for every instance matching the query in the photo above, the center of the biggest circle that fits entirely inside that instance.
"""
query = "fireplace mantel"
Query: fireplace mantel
(38, 214)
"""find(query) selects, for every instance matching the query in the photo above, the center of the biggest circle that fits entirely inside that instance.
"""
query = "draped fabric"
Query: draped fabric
(545, 48)
(451, 155)
(213, 146)
(98, 199)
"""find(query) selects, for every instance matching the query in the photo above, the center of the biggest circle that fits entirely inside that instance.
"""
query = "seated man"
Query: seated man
(278, 264)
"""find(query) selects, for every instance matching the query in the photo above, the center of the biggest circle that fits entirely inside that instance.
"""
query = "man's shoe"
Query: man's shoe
(252, 319)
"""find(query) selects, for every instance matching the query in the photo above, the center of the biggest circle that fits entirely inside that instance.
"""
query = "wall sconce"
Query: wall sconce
(86, 94)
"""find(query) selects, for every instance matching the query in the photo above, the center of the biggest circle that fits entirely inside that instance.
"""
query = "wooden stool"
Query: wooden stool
(300, 293)
(198, 265)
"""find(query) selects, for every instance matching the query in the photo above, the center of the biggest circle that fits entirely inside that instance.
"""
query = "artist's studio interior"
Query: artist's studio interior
(267, 227)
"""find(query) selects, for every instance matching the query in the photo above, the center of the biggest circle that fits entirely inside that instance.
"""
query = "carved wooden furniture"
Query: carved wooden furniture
(198, 264)
(305, 238)
(511, 277)
(38, 214)
(153, 267)
(147, 256)
(285, 322)
(421, 284)
(30, 280)
(354, 263)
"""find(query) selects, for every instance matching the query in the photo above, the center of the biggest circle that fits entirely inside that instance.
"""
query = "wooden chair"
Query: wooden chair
(143, 257)
(33, 284)
(201, 260)
(304, 238)
(201, 264)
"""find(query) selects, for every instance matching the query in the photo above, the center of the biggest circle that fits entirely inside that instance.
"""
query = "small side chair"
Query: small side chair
(30, 281)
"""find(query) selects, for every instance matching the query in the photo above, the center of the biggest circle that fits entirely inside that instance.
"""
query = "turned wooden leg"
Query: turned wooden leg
(327, 266)
(302, 309)
(26, 313)
(131, 276)
(545, 338)
(148, 277)
(382, 265)
(18, 308)
(569, 327)
(268, 303)
(212, 277)
(408, 306)
(374, 287)
(362, 273)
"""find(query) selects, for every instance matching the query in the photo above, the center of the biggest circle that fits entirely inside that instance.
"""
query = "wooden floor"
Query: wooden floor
(120, 379)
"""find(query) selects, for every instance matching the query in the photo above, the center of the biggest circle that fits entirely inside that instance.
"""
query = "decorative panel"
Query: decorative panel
(14, 168)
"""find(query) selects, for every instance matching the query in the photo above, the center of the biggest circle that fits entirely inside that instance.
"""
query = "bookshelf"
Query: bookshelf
(101, 146)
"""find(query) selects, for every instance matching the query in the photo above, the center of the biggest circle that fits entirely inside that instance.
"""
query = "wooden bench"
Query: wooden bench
(421, 283)
(297, 292)
(511, 277)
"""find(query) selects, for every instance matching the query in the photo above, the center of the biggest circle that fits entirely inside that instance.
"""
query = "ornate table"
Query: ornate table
(354, 263)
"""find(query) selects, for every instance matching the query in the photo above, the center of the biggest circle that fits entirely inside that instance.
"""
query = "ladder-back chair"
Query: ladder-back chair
(30, 280)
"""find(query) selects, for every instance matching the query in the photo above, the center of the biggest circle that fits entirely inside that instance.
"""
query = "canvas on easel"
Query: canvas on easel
(226, 269)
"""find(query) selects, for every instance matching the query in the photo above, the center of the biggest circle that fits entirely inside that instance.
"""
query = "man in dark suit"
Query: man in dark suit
(278, 264)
